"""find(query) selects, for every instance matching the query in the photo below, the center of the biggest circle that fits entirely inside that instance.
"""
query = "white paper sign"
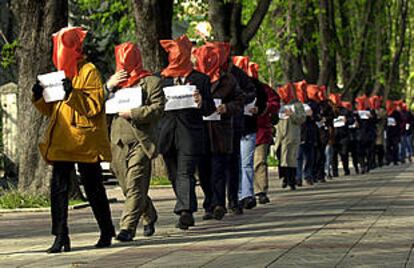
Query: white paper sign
(214, 116)
(124, 100)
(306, 107)
(407, 126)
(354, 125)
(391, 122)
(282, 111)
(340, 121)
(364, 115)
(249, 106)
(179, 97)
(53, 86)
(320, 124)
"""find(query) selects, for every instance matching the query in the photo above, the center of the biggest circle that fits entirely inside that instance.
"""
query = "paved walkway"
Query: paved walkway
(356, 221)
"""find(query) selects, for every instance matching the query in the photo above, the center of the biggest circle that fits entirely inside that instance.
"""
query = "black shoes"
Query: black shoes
(218, 212)
(284, 183)
(248, 202)
(61, 241)
(237, 210)
(185, 221)
(125, 236)
(105, 240)
(207, 216)
(263, 199)
(149, 229)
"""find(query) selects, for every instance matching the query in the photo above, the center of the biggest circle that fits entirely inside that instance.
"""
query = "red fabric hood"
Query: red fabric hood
(300, 88)
(253, 70)
(362, 103)
(336, 98)
(67, 49)
(242, 62)
(128, 58)
(347, 105)
(375, 102)
(286, 93)
(179, 57)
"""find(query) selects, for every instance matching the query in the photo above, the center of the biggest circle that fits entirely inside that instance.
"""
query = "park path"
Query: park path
(355, 221)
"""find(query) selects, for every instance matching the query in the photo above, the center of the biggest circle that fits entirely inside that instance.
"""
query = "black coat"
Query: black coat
(342, 133)
(183, 129)
(221, 133)
(249, 90)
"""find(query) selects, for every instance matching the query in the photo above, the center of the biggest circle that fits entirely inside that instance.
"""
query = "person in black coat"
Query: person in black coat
(181, 138)
(393, 133)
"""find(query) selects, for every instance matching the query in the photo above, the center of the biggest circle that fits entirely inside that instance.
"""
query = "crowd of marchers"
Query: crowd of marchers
(224, 137)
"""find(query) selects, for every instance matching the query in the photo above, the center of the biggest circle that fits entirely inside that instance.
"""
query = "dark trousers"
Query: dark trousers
(392, 151)
(342, 150)
(181, 170)
(306, 153)
(219, 164)
(353, 145)
(379, 151)
(319, 165)
(233, 175)
(204, 174)
(91, 177)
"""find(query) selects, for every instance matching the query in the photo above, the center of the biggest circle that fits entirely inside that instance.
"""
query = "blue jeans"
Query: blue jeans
(406, 149)
(247, 146)
(328, 162)
(306, 154)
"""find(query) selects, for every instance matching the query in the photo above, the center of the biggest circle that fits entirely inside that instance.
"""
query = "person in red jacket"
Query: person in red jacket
(263, 136)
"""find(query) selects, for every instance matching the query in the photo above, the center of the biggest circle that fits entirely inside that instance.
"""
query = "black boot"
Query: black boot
(149, 229)
(105, 240)
(61, 241)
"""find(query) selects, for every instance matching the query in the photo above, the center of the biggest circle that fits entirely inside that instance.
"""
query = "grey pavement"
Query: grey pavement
(354, 221)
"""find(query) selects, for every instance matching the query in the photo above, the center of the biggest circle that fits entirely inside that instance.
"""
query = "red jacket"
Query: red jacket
(264, 123)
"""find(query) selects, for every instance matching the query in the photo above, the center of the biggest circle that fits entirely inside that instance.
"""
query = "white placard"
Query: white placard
(282, 113)
(391, 122)
(364, 115)
(179, 97)
(340, 121)
(407, 126)
(354, 125)
(249, 106)
(320, 124)
(53, 86)
(306, 107)
(214, 116)
(124, 100)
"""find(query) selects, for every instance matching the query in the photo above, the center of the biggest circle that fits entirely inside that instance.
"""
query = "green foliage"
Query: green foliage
(8, 54)
(160, 180)
(272, 161)
(13, 199)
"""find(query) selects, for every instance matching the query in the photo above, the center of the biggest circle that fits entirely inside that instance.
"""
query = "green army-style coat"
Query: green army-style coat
(144, 120)
(288, 136)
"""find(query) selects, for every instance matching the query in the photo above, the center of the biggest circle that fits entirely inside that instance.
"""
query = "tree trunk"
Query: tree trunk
(399, 47)
(327, 74)
(226, 19)
(38, 21)
(153, 19)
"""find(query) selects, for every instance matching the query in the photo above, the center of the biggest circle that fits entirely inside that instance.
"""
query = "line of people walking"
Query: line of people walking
(223, 138)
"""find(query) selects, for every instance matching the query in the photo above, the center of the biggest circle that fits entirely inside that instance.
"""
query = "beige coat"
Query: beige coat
(288, 136)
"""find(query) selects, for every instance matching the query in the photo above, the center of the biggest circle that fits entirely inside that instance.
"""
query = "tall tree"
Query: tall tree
(154, 20)
(226, 18)
(38, 21)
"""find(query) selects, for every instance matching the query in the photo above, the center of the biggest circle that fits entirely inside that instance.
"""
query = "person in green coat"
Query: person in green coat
(133, 140)
(291, 116)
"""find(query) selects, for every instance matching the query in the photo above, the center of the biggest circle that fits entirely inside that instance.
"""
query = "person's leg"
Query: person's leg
(261, 179)
(92, 180)
(301, 155)
(136, 189)
(309, 158)
(59, 197)
(345, 158)
(247, 147)
(204, 174)
(336, 149)
(233, 176)
(185, 184)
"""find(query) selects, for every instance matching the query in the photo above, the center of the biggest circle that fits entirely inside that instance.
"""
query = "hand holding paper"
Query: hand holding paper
(53, 86)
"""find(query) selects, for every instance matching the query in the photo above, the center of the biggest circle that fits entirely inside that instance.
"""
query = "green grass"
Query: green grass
(12, 199)
(160, 180)
(272, 162)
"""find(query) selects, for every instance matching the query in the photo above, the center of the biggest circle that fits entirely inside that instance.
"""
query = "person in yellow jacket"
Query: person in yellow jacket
(77, 133)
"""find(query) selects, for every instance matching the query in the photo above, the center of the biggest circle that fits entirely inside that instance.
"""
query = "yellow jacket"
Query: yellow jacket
(77, 130)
